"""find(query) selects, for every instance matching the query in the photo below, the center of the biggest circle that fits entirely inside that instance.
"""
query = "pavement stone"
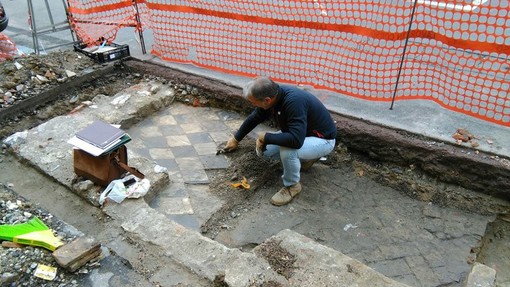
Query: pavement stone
(335, 269)
(481, 276)
(413, 242)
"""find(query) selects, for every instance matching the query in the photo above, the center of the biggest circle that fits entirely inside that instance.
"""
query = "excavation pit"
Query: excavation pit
(393, 213)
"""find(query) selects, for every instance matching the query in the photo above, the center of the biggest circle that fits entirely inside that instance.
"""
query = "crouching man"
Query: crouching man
(307, 131)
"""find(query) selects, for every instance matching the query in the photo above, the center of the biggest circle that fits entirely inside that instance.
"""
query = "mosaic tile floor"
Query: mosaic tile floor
(184, 140)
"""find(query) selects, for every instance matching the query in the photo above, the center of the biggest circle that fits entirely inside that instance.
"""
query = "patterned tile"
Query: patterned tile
(189, 163)
(170, 164)
(143, 152)
(175, 189)
(177, 140)
(208, 148)
(184, 139)
(136, 143)
(227, 115)
(214, 126)
(221, 136)
(198, 176)
(186, 118)
(207, 114)
(192, 170)
(175, 176)
(135, 134)
(165, 120)
(214, 161)
(199, 138)
(171, 130)
(150, 131)
(145, 123)
(234, 124)
(161, 153)
(184, 151)
(192, 128)
(155, 142)
(178, 109)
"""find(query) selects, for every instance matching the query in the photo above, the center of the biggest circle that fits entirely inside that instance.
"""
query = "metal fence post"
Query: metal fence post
(403, 54)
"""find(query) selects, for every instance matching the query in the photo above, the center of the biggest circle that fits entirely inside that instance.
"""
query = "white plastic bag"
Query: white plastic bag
(117, 191)
(139, 188)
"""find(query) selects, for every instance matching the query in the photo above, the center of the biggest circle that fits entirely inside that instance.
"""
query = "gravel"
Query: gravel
(18, 265)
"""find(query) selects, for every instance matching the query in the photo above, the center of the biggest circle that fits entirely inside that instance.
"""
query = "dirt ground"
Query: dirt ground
(244, 162)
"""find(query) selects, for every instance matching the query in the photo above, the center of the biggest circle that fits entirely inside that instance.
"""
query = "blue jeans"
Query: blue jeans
(313, 148)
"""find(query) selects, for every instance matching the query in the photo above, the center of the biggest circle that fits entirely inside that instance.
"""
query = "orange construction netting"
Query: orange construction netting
(7, 48)
(453, 52)
(96, 21)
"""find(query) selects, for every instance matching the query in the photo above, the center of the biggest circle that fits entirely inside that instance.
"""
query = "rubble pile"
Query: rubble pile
(24, 77)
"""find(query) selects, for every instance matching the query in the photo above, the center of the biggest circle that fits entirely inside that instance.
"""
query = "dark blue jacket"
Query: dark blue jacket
(297, 113)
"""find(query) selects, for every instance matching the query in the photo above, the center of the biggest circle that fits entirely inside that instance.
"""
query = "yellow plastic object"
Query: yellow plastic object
(8, 232)
(45, 272)
(43, 238)
(244, 184)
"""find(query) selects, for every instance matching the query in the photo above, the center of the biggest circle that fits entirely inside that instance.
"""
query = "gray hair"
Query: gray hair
(260, 87)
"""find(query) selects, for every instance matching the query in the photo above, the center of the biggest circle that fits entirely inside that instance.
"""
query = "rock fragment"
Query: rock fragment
(74, 255)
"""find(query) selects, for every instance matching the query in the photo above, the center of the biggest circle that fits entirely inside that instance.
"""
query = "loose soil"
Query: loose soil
(408, 179)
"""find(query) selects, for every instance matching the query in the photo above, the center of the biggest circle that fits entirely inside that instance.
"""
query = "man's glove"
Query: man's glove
(231, 145)
(260, 145)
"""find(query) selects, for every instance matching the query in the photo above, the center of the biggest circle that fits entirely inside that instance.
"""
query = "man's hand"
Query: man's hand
(231, 145)
(260, 144)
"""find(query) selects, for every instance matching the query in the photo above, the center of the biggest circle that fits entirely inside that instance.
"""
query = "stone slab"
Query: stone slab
(481, 276)
(318, 265)
(75, 251)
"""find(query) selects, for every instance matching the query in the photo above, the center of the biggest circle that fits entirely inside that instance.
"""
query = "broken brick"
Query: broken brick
(77, 253)
(9, 244)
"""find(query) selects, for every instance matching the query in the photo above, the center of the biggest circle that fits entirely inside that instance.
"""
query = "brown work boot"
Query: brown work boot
(286, 194)
(307, 164)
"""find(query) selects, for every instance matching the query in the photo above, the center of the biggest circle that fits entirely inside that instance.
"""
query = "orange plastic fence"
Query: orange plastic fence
(456, 52)
(7, 48)
(96, 21)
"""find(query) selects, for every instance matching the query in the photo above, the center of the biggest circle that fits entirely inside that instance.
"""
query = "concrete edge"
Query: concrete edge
(203, 256)
(319, 265)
